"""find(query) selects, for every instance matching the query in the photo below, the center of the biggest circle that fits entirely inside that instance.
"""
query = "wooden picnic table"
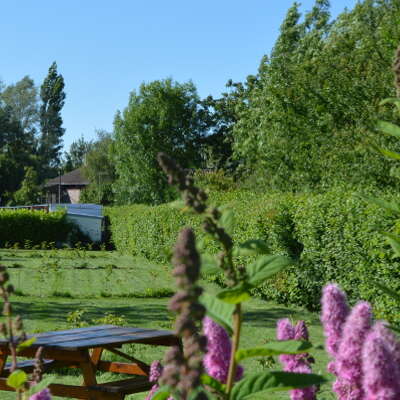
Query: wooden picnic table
(83, 348)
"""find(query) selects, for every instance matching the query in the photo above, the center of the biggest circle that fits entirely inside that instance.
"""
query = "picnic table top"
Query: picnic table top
(97, 336)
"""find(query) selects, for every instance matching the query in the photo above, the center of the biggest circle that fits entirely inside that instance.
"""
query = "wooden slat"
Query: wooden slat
(126, 386)
(122, 368)
(29, 365)
(150, 338)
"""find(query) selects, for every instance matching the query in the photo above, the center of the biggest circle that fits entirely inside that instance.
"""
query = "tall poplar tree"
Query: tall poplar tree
(53, 97)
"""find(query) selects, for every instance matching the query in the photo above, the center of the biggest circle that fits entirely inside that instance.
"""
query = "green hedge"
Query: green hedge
(334, 236)
(19, 226)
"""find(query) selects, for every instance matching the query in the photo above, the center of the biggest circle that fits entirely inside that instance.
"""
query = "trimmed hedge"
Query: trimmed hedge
(18, 226)
(334, 236)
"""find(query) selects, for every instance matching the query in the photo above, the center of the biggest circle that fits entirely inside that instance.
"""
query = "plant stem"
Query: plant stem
(237, 323)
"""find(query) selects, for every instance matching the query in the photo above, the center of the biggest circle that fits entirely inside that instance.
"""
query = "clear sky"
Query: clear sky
(106, 48)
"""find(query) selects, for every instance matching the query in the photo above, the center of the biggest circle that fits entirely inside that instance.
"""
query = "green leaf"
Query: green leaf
(218, 310)
(213, 383)
(17, 379)
(275, 349)
(391, 100)
(209, 264)
(227, 220)
(389, 128)
(387, 153)
(43, 384)
(235, 295)
(387, 290)
(162, 393)
(27, 343)
(387, 205)
(251, 247)
(265, 267)
(394, 242)
(395, 328)
(273, 381)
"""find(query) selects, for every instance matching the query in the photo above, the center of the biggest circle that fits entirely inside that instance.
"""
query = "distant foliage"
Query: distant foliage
(333, 236)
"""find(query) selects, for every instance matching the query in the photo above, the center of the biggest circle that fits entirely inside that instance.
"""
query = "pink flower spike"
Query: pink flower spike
(285, 330)
(334, 313)
(301, 331)
(348, 361)
(217, 359)
(381, 372)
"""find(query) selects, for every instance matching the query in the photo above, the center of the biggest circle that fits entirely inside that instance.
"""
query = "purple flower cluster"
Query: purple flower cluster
(156, 370)
(217, 358)
(299, 363)
(365, 356)
(42, 395)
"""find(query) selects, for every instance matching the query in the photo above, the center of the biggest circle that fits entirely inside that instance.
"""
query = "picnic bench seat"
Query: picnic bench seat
(125, 386)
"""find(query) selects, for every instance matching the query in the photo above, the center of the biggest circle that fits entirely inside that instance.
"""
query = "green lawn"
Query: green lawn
(87, 281)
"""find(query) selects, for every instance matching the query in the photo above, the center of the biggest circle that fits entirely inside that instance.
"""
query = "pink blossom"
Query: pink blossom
(334, 313)
(42, 395)
(217, 358)
(381, 371)
(156, 370)
(348, 361)
(295, 362)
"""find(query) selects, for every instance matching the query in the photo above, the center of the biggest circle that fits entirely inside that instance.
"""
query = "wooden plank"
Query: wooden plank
(51, 354)
(126, 386)
(123, 338)
(145, 368)
(29, 365)
(122, 368)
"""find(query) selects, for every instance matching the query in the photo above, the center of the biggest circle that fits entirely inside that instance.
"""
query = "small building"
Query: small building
(66, 188)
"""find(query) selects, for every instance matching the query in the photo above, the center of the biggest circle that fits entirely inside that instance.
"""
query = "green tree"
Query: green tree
(52, 96)
(76, 155)
(15, 154)
(163, 116)
(316, 98)
(99, 169)
(29, 192)
(22, 100)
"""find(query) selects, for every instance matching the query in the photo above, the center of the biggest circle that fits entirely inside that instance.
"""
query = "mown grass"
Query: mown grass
(44, 311)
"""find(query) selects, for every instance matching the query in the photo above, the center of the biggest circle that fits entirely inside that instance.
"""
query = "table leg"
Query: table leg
(3, 360)
(88, 372)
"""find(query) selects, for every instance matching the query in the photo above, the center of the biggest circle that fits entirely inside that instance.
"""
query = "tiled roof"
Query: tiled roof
(70, 179)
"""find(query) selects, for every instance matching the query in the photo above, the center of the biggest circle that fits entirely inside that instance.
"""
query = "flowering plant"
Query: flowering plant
(195, 371)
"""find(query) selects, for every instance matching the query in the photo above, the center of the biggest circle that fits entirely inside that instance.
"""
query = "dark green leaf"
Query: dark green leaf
(390, 206)
(394, 242)
(227, 220)
(235, 295)
(387, 153)
(391, 100)
(218, 310)
(273, 381)
(251, 247)
(162, 393)
(209, 264)
(387, 290)
(265, 267)
(275, 349)
(213, 383)
(389, 128)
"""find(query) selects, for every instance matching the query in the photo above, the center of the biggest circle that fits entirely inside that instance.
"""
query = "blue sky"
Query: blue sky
(104, 49)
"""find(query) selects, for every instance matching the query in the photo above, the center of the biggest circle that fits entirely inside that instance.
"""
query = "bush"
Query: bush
(20, 226)
(333, 236)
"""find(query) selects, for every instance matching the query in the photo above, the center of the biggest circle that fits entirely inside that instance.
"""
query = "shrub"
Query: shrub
(34, 227)
(334, 236)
